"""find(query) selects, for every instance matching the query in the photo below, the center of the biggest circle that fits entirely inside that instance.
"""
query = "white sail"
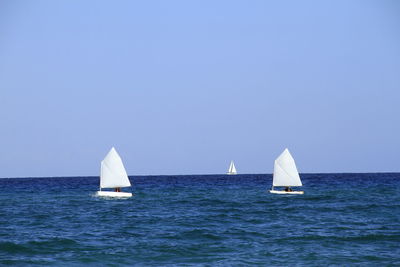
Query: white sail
(113, 173)
(285, 171)
(232, 168)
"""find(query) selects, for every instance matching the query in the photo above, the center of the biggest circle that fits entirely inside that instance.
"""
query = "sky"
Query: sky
(184, 87)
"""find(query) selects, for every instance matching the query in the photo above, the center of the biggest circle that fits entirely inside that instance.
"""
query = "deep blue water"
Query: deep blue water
(214, 220)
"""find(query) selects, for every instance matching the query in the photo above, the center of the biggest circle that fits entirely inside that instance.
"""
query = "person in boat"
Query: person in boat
(288, 189)
(118, 189)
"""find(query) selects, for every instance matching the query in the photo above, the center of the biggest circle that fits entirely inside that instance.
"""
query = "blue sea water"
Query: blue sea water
(211, 220)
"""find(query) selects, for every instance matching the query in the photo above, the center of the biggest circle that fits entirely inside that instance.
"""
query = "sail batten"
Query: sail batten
(113, 173)
(285, 171)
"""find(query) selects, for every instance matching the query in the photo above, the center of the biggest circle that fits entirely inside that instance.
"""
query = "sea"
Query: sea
(202, 220)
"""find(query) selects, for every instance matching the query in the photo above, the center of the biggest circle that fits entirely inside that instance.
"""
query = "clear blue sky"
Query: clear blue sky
(183, 87)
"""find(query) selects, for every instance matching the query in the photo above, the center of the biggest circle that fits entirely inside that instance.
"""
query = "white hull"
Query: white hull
(231, 173)
(284, 192)
(113, 194)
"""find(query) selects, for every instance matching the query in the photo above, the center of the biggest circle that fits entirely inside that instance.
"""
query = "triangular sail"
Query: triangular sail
(285, 171)
(113, 173)
(232, 168)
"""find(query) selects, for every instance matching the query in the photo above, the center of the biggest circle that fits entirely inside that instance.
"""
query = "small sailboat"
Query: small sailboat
(232, 169)
(285, 174)
(113, 175)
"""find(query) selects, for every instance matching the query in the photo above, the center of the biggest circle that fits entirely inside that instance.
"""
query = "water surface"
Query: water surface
(342, 219)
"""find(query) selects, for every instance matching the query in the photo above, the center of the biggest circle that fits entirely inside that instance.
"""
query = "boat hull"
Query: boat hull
(286, 193)
(113, 194)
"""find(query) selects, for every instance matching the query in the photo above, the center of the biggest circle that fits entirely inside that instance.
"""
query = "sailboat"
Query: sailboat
(285, 174)
(232, 169)
(113, 175)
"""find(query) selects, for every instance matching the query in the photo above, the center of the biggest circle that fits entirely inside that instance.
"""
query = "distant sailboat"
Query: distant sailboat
(285, 174)
(232, 169)
(113, 175)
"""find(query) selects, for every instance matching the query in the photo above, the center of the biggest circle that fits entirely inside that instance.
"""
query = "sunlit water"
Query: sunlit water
(342, 219)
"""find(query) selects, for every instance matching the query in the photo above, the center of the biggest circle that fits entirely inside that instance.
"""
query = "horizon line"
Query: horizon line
(147, 175)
